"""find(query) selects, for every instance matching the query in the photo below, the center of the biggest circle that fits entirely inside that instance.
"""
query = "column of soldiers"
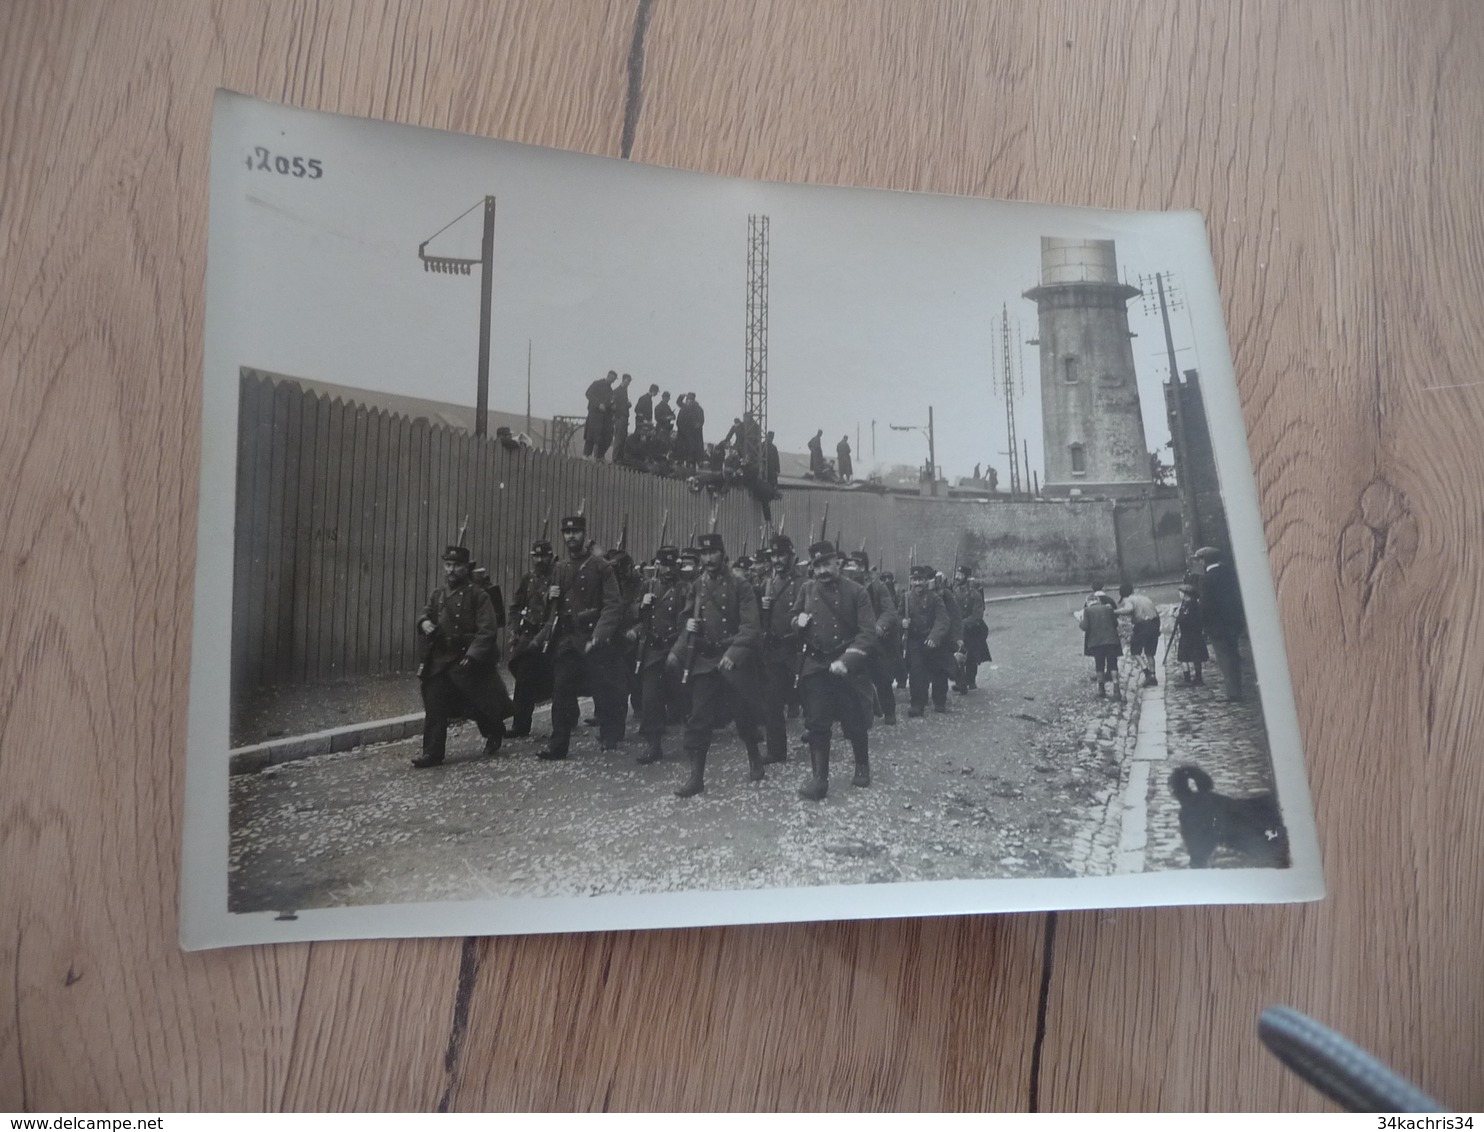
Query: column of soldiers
(694, 641)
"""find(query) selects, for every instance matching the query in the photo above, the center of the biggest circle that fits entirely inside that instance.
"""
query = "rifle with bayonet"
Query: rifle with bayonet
(646, 623)
(690, 638)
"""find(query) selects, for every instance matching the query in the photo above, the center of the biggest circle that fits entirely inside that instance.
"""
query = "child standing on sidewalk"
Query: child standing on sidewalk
(1192, 652)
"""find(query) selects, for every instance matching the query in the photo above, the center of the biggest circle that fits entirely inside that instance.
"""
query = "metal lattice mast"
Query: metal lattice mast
(755, 388)
(1007, 380)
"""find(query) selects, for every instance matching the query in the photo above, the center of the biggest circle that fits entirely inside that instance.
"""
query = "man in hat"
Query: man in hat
(611, 694)
(458, 674)
(929, 647)
(780, 644)
(530, 664)
(720, 651)
(888, 633)
(1223, 616)
(597, 429)
(842, 459)
(955, 632)
(837, 628)
(969, 593)
(664, 417)
(1100, 638)
(584, 604)
(662, 612)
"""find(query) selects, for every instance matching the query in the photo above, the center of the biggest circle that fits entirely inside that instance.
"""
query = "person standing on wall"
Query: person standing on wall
(618, 417)
(595, 429)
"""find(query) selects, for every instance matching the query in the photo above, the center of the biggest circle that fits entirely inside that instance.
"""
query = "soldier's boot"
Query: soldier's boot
(755, 772)
(1102, 686)
(696, 783)
(862, 750)
(654, 752)
(819, 762)
(1117, 687)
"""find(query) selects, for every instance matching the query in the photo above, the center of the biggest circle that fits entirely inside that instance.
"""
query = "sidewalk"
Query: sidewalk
(1151, 733)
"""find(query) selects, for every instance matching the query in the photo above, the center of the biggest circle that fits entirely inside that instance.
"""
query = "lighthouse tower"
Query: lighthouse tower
(1093, 429)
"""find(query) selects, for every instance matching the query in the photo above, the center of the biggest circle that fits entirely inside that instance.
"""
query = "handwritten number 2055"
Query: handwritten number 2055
(260, 158)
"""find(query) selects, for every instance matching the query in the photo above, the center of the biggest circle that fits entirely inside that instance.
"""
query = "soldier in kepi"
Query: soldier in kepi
(929, 648)
(662, 611)
(780, 644)
(888, 633)
(584, 614)
(459, 673)
(530, 664)
(838, 629)
(717, 657)
(970, 594)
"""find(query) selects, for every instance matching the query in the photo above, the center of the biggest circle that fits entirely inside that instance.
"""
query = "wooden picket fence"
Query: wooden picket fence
(344, 509)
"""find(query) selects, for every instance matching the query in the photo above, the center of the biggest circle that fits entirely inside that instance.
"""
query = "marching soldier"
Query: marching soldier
(584, 615)
(719, 655)
(837, 627)
(530, 664)
(662, 611)
(955, 632)
(780, 644)
(611, 693)
(929, 647)
(888, 633)
(970, 594)
(459, 674)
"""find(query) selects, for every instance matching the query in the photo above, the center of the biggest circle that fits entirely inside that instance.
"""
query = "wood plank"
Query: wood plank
(304, 536)
(363, 540)
(337, 503)
(246, 661)
(285, 659)
(401, 609)
(275, 544)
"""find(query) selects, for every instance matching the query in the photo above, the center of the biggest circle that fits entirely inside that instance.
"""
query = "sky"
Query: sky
(880, 303)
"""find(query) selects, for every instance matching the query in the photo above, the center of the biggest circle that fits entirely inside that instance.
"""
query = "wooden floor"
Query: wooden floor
(1337, 150)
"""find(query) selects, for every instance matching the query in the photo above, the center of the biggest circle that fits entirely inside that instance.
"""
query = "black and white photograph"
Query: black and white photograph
(591, 545)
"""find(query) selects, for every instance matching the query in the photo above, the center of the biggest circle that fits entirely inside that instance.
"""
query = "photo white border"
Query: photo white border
(205, 920)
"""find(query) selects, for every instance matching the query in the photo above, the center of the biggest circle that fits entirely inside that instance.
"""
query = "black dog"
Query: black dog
(1250, 827)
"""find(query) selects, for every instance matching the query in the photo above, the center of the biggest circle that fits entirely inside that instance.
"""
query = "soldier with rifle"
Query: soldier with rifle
(888, 633)
(970, 596)
(584, 605)
(717, 658)
(929, 646)
(781, 645)
(611, 694)
(837, 628)
(662, 612)
(955, 632)
(459, 674)
(530, 664)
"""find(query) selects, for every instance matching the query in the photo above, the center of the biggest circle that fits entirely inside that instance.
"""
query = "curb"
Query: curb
(251, 759)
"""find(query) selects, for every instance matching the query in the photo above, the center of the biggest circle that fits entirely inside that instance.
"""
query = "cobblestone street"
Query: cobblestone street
(1030, 775)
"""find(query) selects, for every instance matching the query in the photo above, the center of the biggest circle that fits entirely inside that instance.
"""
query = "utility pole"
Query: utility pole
(453, 265)
(1007, 381)
(486, 296)
(528, 387)
(755, 340)
(932, 454)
